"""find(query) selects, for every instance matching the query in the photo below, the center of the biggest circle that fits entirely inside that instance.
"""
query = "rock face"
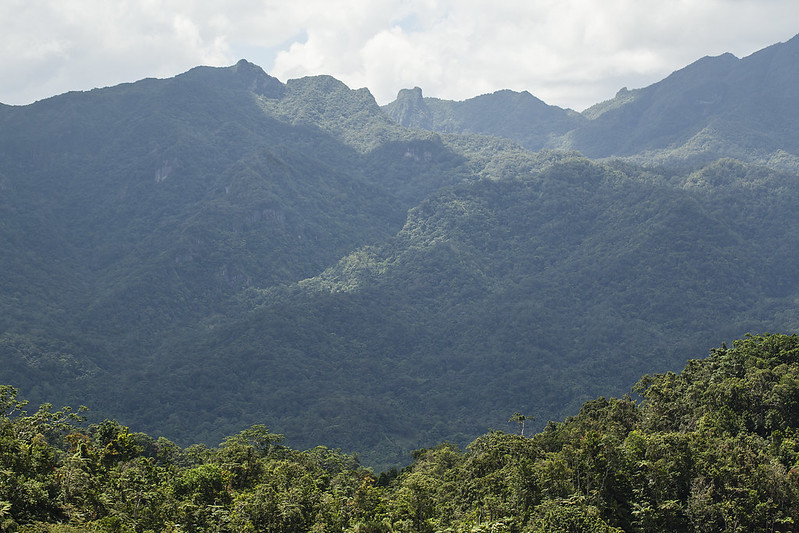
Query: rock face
(515, 115)
(409, 110)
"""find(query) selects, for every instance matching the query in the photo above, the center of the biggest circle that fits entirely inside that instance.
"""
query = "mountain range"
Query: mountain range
(219, 249)
(716, 107)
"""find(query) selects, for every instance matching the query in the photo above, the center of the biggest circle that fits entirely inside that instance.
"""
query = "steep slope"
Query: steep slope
(131, 212)
(716, 107)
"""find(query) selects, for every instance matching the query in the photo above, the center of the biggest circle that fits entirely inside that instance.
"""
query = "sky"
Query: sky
(570, 53)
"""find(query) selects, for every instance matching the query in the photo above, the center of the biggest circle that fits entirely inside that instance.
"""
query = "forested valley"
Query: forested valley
(289, 308)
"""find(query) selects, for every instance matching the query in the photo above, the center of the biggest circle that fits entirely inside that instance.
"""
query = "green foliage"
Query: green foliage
(463, 312)
(690, 455)
(570, 517)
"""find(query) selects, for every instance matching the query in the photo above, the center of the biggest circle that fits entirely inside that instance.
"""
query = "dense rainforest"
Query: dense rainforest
(220, 250)
(713, 448)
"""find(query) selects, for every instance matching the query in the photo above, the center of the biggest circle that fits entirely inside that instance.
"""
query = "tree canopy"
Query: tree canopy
(712, 448)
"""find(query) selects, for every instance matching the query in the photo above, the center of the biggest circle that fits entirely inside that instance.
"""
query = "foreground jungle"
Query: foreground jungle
(714, 448)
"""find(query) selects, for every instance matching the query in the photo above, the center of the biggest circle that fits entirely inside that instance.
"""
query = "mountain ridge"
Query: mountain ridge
(246, 251)
(505, 113)
(692, 116)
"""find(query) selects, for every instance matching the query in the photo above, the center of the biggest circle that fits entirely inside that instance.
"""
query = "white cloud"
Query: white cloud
(567, 52)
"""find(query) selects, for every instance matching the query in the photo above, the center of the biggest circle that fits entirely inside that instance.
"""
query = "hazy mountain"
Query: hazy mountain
(518, 116)
(201, 253)
(716, 107)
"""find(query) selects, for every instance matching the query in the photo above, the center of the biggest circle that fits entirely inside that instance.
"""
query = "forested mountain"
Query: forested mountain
(539, 292)
(716, 107)
(131, 213)
(203, 253)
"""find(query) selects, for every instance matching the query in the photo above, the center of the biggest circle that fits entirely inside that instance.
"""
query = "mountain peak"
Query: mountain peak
(414, 94)
(243, 75)
(256, 80)
(409, 109)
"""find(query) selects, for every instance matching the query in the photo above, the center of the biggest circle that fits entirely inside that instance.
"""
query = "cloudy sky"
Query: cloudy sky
(571, 53)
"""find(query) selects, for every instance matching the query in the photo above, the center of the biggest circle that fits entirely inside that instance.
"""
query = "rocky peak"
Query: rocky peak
(410, 110)
(256, 80)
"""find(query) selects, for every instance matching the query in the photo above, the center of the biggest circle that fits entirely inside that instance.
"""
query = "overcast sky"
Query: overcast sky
(571, 53)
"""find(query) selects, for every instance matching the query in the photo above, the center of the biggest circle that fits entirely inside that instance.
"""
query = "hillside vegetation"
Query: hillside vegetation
(713, 448)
